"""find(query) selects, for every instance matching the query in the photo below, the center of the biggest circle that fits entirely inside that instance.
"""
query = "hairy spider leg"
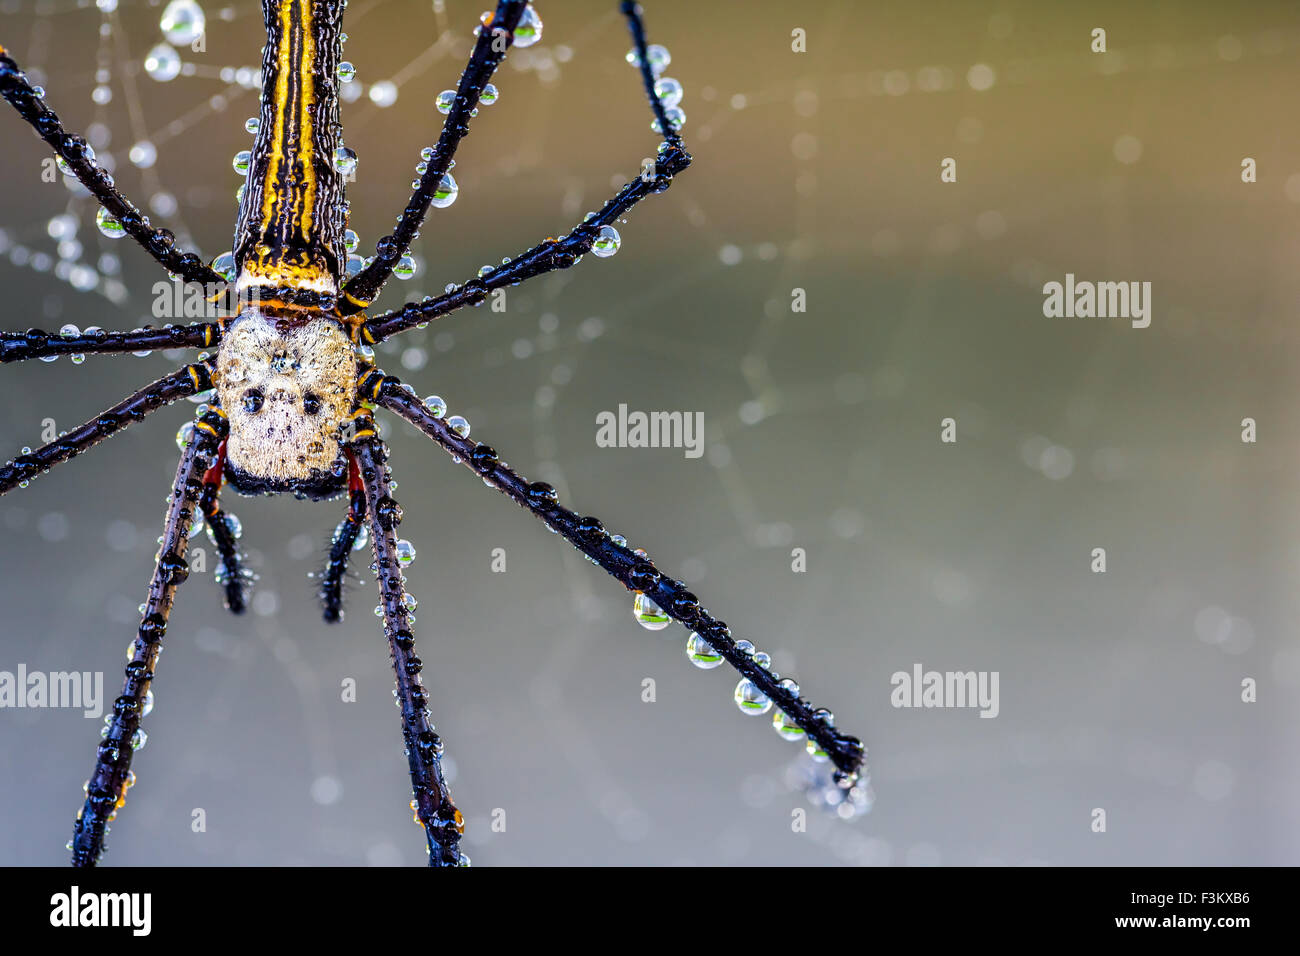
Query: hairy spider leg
(552, 254)
(35, 343)
(234, 578)
(494, 37)
(342, 542)
(185, 381)
(80, 158)
(432, 803)
(112, 776)
(634, 571)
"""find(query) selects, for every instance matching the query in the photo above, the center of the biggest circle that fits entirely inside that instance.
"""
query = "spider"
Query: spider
(294, 388)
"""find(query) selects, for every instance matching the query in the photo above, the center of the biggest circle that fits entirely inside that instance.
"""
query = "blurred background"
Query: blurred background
(814, 170)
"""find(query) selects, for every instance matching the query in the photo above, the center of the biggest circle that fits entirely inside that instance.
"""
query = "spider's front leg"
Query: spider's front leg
(434, 810)
(106, 789)
(29, 101)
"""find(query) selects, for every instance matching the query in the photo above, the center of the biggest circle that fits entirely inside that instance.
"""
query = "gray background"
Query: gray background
(815, 170)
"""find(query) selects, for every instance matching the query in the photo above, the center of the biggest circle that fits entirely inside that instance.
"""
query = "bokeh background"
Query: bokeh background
(815, 170)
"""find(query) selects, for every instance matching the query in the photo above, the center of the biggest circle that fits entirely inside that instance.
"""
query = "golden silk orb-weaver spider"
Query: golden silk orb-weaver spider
(293, 385)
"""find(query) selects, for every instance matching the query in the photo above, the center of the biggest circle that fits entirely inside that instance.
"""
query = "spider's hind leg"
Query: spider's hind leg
(108, 783)
(342, 544)
(434, 809)
(224, 530)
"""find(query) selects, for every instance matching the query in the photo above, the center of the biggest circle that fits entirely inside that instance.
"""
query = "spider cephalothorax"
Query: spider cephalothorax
(293, 397)
(287, 389)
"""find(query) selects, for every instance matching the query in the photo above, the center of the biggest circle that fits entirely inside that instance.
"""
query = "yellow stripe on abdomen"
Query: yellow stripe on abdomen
(290, 233)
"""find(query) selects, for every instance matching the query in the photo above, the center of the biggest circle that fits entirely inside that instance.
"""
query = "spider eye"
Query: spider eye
(311, 403)
(253, 401)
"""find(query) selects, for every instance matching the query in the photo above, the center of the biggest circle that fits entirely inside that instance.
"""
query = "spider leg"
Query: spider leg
(434, 809)
(34, 343)
(559, 253)
(494, 38)
(106, 789)
(635, 571)
(341, 545)
(159, 243)
(185, 381)
(233, 577)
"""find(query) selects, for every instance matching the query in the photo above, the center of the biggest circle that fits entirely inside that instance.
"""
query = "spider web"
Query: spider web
(811, 173)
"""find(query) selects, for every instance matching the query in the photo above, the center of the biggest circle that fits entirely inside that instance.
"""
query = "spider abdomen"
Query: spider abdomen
(287, 389)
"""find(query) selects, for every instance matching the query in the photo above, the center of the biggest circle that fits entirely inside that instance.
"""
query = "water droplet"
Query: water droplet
(182, 22)
(701, 653)
(815, 751)
(669, 91)
(345, 159)
(163, 63)
(224, 264)
(139, 739)
(658, 56)
(243, 159)
(354, 265)
(763, 659)
(750, 699)
(405, 267)
(529, 30)
(446, 192)
(445, 101)
(108, 225)
(148, 704)
(346, 71)
(69, 331)
(143, 154)
(351, 240)
(650, 615)
(784, 725)
(489, 95)
(185, 435)
(745, 647)
(405, 552)
(363, 539)
(676, 119)
(607, 242)
(253, 124)
(459, 425)
(436, 406)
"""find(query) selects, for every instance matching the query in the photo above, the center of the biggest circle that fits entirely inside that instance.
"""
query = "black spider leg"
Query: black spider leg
(551, 254)
(341, 545)
(637, 573)
(234, 578)
(494, 38)
(185, 381)
(434, 809)
(34, 343)
(159, 243)
(106, 789)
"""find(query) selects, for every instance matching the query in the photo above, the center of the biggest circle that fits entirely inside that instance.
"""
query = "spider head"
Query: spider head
(287, 388)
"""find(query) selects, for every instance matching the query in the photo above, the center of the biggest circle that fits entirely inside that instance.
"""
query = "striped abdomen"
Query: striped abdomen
(291, 221)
